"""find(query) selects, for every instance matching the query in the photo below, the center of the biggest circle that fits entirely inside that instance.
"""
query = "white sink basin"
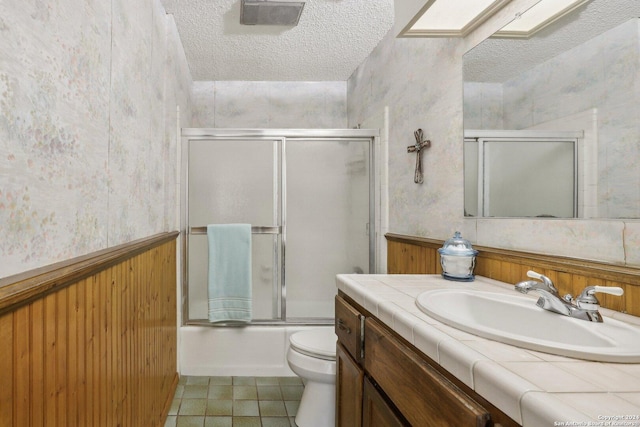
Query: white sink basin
(518, 321)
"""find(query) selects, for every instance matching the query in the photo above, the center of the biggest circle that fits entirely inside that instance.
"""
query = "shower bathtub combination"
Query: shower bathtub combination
(309, 195)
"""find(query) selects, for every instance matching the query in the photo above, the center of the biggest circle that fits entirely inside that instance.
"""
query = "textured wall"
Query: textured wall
(248, 104)
(88, 94)
(421, 82)
(483, 107)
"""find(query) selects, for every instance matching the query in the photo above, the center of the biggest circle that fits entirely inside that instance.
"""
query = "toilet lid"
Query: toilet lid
(320, 343)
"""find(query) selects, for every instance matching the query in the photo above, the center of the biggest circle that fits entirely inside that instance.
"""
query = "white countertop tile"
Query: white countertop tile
(427, 338)
(533, 388)
(550, 377)
(630, 397)
(386, 309)
(610, 406)
(403, 324)
(552, 357)
(456, 333)
(609, 376)
(459, 359)
(630, 369)
(501, 387)
(540, 409)
(502, 352)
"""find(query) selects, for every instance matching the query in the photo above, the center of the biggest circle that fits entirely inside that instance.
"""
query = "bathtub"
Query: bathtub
(230, 351)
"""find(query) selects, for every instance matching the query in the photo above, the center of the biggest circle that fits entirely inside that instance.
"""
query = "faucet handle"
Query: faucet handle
(611, 290)
(547, 282)
(588, 300)
(534, 275)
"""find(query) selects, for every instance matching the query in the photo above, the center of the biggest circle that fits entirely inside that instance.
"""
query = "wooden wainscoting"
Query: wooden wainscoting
(91, 341)
(417, 255)
(412, 255)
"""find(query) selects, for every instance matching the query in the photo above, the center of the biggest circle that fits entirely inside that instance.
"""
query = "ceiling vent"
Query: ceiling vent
(265, 12)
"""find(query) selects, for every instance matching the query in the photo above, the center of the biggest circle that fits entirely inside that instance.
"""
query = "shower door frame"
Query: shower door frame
(281, 136)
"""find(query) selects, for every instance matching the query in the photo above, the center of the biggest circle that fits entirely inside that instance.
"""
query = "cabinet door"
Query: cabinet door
(423, 395)
(348, 390)
(377, 412)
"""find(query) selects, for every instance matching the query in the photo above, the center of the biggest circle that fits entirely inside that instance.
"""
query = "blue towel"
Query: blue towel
(229, 272)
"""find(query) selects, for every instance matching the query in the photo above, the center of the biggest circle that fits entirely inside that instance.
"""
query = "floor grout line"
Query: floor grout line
(235, 402)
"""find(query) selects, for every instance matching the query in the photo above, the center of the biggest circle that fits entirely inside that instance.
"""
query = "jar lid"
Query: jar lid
(457, 246)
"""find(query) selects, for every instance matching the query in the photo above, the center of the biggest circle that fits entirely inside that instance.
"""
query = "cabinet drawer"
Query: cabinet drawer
(348, 328)
(423, 395)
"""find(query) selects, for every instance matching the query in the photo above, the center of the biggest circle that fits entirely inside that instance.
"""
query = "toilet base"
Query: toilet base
(317, 406)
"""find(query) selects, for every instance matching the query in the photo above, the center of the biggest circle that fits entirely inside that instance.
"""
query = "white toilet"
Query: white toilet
(312, 356)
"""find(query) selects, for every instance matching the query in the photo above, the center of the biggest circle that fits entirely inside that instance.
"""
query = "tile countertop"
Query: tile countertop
(533, 388)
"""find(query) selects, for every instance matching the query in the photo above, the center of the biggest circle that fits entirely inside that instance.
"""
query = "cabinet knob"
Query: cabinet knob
(342, 327)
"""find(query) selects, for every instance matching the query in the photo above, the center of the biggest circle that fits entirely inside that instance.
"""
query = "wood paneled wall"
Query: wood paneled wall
(416, 255)
(92, 341)
(408, 256)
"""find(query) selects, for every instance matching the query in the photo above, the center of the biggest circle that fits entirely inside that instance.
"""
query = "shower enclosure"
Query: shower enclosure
(309, 197)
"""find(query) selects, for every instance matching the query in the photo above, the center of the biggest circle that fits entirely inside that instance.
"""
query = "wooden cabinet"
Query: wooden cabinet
(349, 380)
(349, 374)
(383, 381)
(422, 394)
(377, 412)
(349, 328)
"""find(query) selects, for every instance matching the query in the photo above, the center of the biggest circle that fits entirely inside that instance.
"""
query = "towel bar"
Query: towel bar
(254, 230)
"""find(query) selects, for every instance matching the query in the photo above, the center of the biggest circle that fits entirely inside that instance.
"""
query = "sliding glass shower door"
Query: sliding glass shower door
(236, 180)
(309, 199)
(327, 193)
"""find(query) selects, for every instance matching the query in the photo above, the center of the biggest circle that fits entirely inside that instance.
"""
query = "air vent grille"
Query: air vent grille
(256, 12)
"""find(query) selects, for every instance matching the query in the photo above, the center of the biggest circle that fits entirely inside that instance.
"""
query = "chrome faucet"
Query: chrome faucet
(584, 307)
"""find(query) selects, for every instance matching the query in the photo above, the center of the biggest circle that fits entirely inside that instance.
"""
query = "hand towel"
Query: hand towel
(229, 281)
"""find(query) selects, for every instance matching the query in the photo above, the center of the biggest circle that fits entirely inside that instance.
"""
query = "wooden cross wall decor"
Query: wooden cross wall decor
(417, 148)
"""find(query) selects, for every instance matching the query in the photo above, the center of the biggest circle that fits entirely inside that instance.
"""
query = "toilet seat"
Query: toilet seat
(318, 343)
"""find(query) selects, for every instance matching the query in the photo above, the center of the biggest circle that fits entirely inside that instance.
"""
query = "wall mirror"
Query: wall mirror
(577, 78)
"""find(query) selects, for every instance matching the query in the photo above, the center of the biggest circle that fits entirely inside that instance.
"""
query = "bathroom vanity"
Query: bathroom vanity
(398, 366)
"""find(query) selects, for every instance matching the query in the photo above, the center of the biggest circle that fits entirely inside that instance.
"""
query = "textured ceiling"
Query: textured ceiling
(498, 60)
(332, 38)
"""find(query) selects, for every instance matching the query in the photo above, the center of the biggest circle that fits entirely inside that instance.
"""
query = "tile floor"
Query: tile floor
(235, 402)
